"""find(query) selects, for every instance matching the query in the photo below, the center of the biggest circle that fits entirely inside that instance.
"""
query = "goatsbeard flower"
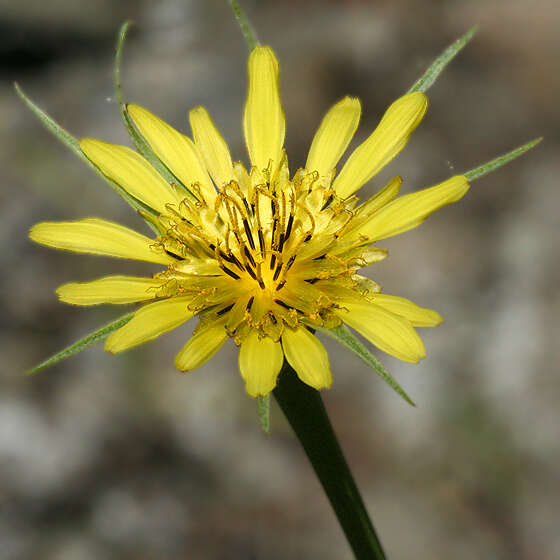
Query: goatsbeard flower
(260, 256)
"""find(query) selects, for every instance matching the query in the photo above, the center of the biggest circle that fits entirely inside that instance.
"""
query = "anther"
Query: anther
(174, 255)
(224, 310)
(282, 304)
(249, 256)
(277, 271)
(230, 272)
(289, 226)
(248, 233)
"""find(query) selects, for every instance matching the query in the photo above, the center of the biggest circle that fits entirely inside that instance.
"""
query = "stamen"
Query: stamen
(251, 272)
(174, 255)
(277, 271)
(248, 233)
(282, 304)
(289, 226)
(261, 241)
(224, 310)
(249, 256)
(230, 273)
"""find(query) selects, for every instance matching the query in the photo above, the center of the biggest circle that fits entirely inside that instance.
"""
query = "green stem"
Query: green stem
(304, 409)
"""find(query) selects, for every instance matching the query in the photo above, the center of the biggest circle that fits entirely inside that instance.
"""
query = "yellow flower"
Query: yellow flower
(260, 256)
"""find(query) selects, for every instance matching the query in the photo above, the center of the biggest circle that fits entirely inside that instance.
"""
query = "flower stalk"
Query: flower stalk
(306, 413)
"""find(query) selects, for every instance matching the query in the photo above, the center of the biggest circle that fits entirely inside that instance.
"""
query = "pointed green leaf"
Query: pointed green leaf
(439, 64)
(343, 335)
(244, 23)
(140, 144)
(84, 343)
(263, 404)
(492, 165)
(69, 141)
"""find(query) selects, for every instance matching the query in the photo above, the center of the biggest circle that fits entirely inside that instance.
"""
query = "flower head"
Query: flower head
(260, 255)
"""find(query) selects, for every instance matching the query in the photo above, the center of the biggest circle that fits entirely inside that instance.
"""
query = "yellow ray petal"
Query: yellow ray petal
(333, 136)
(382, 197)
(111, 289)
(150, 322)
(263, 121)
(99, 237)
(386, 330)
(260, 361)
(131, 171)
(308, 357)
(411, 210)
(212, 146)
(385, 142)
(176, 150)
(418, 316)
(201, 347)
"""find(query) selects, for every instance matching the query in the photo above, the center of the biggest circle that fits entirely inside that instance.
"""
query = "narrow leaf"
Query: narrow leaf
(263, 404)
(439, 64)
(140, 144)
(69, 141)
(343, 335)
(492, 165)
(246, 28)
(84, 343)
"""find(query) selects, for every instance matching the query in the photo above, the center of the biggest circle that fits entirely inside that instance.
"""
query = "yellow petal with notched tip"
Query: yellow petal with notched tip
(263, 121)
(149, 322)
(99, 237)
(386, 330)
(131, 171)
(308, 357)
(385, 142)
(418, 316)
(260, 361)
(112, 289)
(411, 210)
(212, 146)
(333, 136)
(201, 347)
(176, 150)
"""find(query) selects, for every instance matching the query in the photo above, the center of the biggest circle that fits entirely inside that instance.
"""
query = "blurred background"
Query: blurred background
(125, 458)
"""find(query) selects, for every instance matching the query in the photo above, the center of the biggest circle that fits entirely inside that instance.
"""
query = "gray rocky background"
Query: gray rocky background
(124, 458)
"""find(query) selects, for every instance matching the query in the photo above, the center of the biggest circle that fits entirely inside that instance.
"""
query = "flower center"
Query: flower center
(264, 252)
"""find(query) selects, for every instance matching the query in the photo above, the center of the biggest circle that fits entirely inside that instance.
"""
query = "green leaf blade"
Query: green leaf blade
(83, 343)
(343, 336)
(245, 25)
(438, 65)
(496, 163)
(72, 143)
(140, 144)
